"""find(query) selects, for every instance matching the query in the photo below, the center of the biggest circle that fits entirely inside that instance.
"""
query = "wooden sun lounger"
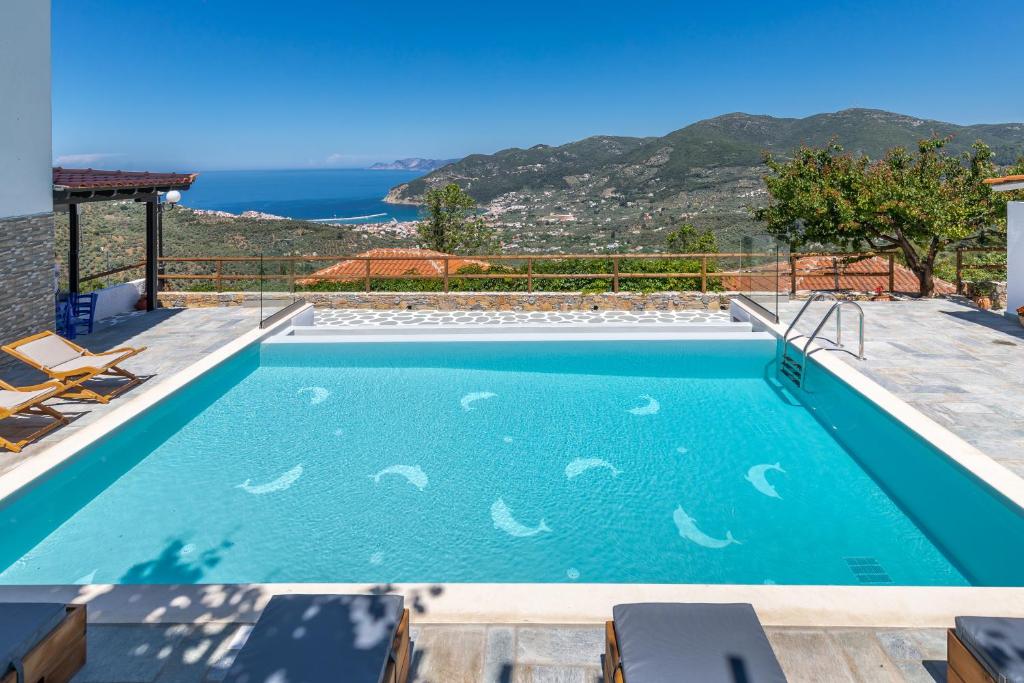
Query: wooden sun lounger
(312, 638)
(41, 642)
(985, 650)
(688, 643)
(29, 401)
(72, 364)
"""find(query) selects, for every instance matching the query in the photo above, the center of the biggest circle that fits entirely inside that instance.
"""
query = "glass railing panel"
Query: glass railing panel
(276, 285)
(764, 274)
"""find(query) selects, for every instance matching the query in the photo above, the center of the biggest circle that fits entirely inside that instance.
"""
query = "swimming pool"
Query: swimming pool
(653, 461)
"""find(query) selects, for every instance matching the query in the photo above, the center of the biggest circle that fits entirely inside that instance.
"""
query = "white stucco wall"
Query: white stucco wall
(25, 139)
(1014, 256)
(111, 301)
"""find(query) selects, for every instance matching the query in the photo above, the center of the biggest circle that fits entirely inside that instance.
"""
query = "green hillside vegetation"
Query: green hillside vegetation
(113, 235)
(603, 194)
(626, 193)
(511, 276)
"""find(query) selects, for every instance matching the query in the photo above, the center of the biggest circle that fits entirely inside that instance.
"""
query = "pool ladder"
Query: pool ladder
(793, 366)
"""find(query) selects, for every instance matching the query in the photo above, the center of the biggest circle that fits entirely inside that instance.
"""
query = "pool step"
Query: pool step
(790, 367)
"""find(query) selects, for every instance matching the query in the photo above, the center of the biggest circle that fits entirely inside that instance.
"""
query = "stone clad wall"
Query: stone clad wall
(468, 301)
(26, 278)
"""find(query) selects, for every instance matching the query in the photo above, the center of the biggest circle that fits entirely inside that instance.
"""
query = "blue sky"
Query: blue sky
(235, 84)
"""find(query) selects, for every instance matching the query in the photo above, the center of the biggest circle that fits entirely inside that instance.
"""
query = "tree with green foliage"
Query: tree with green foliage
(687, 240)
(451, 223)
(918, 204)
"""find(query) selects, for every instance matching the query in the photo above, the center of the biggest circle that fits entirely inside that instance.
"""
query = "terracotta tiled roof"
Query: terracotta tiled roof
(817, 272)
(94, 179)
(399, 262)
(1005, 179)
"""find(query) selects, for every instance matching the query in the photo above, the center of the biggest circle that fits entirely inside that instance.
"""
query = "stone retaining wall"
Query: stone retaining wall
(26, 278)
(463, 301)
(995, 290)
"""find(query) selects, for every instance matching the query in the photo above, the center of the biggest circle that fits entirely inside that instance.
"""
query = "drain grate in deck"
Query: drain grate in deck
(868, 570)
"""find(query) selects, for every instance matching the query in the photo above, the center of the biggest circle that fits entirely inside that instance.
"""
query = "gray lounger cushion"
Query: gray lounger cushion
(997, 643)
(22, 626)
(306, 638)
(705, 643)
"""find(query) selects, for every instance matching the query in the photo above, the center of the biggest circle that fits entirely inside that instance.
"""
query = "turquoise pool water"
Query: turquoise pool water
(644, 461)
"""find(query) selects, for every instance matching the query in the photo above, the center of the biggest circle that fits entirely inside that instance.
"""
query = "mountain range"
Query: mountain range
(627, 192)
(412, 164)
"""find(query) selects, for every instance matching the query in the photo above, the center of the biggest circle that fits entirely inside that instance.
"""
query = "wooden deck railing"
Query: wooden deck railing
(961, 266)
(113, 271)
(759, 268)
(616, 275)
(838, 262)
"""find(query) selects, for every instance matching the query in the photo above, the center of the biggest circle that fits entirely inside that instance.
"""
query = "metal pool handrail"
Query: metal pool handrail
(817, 296)
(788, 364)
(836, 307)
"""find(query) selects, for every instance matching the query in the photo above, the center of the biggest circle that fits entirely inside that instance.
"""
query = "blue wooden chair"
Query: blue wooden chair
(83, 311)
(62, 320)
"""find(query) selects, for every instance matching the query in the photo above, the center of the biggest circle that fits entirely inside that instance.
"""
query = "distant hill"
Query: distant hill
(414, 164)
(625, 192)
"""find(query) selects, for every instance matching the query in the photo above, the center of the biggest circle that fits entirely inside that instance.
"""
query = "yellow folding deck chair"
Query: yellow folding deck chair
(68, 362)
(29, 401)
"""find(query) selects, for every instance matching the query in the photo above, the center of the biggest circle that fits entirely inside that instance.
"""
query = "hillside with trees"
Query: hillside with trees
(627, 193)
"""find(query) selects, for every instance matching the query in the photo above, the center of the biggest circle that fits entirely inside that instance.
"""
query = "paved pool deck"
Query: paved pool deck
(959, 365)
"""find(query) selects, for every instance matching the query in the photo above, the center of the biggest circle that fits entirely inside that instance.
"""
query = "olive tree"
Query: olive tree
(451, 223)
(917, 203)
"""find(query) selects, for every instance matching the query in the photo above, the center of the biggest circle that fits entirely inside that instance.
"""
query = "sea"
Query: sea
(348, 195)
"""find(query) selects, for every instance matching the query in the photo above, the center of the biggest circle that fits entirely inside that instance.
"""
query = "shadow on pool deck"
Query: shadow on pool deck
(108, 334)
(992, 321)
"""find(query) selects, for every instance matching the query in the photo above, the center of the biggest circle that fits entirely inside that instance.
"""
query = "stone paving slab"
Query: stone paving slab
(480, 653)
(959, 365)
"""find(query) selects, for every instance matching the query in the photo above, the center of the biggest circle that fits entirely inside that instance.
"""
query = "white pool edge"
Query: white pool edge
(559, 603)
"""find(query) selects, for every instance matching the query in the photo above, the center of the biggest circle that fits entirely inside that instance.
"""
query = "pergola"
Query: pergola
(72, 187)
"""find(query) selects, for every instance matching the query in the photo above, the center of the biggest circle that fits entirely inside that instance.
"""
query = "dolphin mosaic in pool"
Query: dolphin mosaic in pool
(468, 400)
(279, 484)
(522, 485)
(689, 530)
(504, 520)
(652, 407)
(581, 465)
(756, 475)
(413, 474)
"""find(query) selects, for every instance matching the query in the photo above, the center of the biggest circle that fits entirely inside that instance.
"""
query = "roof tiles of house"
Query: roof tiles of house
(818, 273)
(94, 179)
(395, 263)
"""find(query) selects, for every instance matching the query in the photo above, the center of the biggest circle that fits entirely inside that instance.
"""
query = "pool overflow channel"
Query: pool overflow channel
(793, 366)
